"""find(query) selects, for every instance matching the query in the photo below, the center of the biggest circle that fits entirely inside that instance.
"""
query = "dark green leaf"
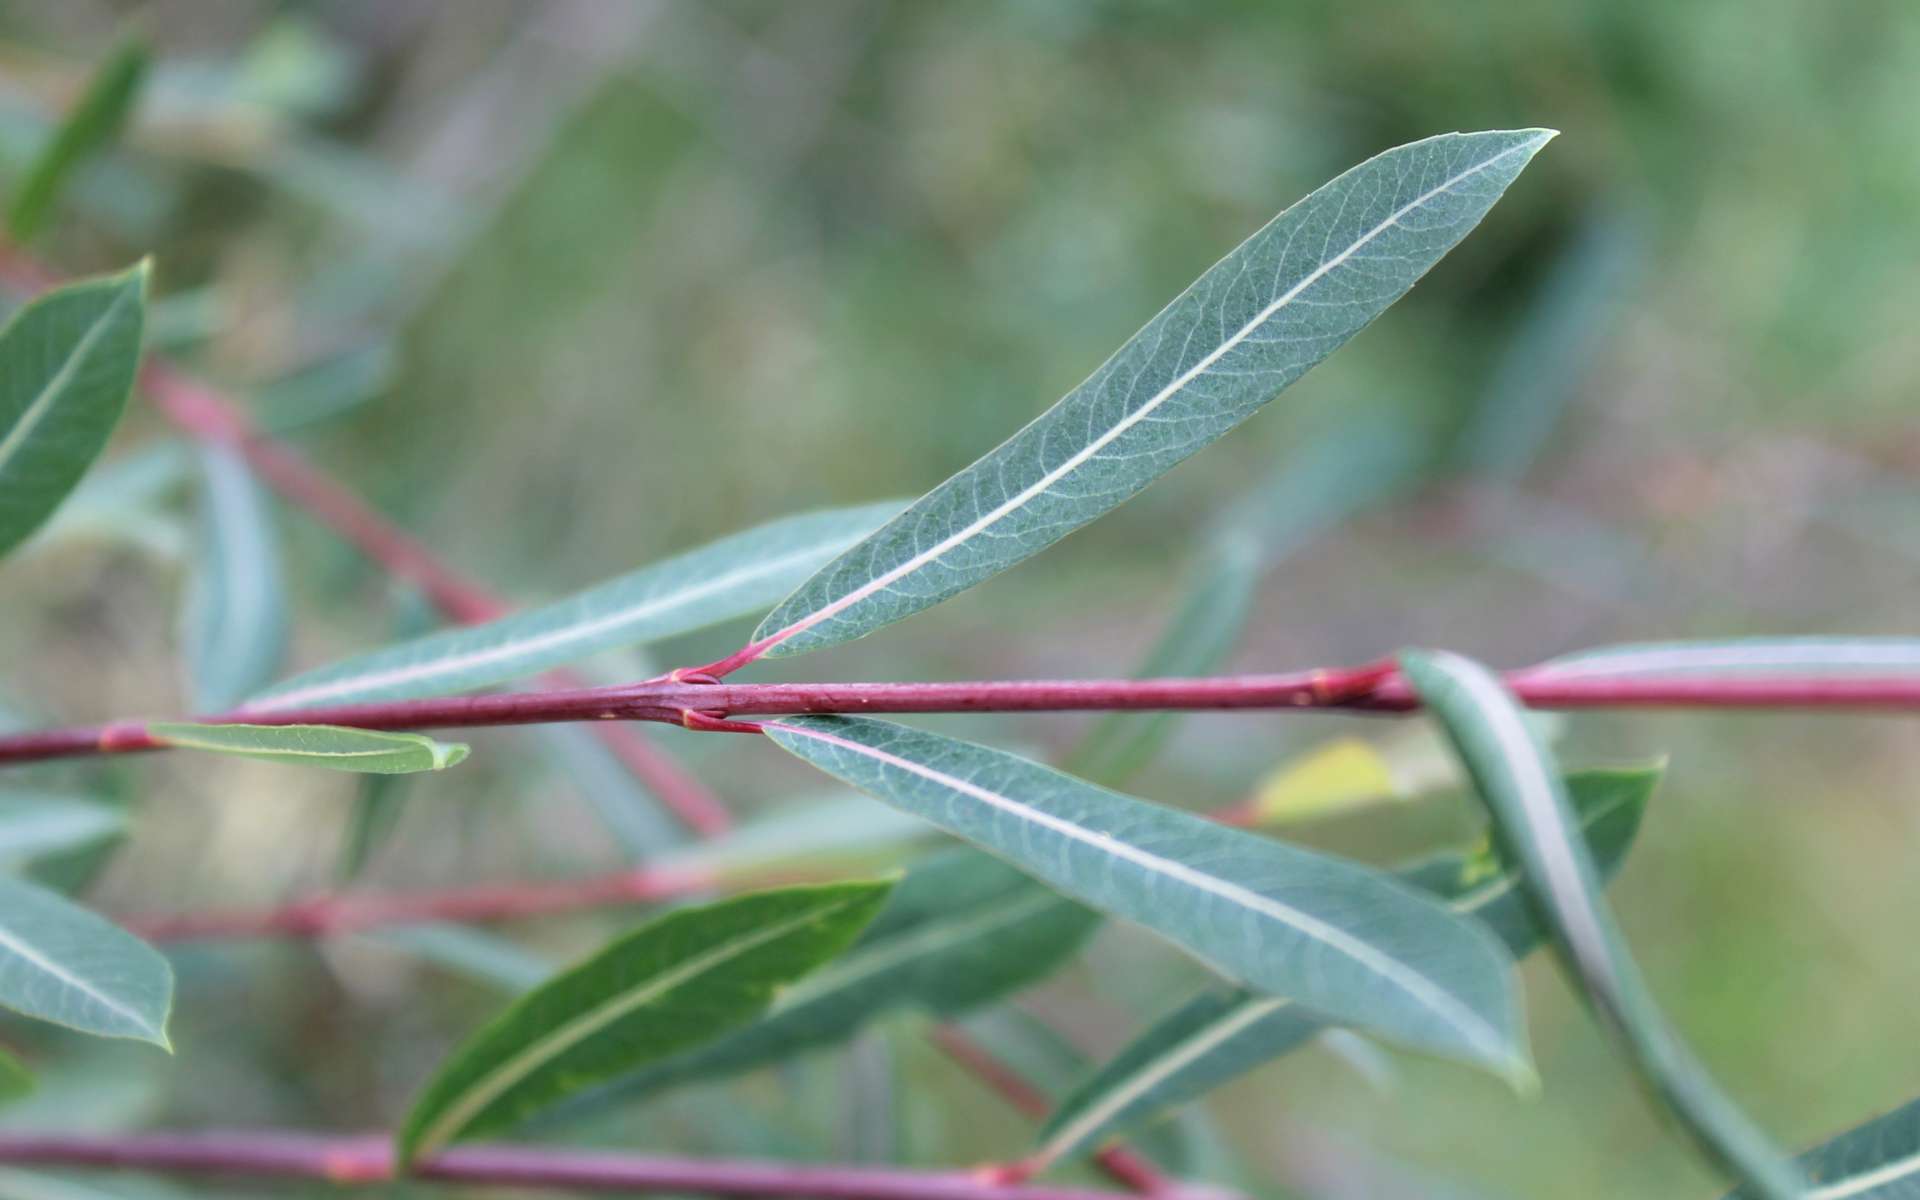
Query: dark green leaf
(672, 984)
(332, 747)
(1335, 935)
(1513, 772)
(236, 611)
(93, 124)
(61, 963)
(67, 363)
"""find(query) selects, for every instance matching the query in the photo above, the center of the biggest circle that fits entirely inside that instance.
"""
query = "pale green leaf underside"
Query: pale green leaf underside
(332, 747)
(67, 363)
(676, 982)
(1222, 1034)
(1286, 298)
(1769, 656)
(1876, 1161)
(36, 824)
(733, 577)
(61, 963)
(1340, 937)
(1514, 775)
(235, 623)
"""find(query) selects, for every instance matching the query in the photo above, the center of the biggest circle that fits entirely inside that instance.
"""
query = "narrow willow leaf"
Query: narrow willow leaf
(733, 577)
(61, 963)
(37, 824)
(16, 1080)
(1222, 1034)
(333, 747)
(67, 363)
(844, 829)
(960, 931)
(1289, 296)
(1513, 772)
(478, 955)
(1332, 934)
(1770, 656)
(124, 501)
(93, 124)
(1876, 1161)
(672, 984)
(639, 823)
(235, 626)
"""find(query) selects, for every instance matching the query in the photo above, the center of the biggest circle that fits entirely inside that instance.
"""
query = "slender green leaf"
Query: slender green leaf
(1532, 818)
(333, 747)
(1771, 656)
(93, 124)
(845, 829)
(326, 390)
(672, 984)
(477, 954)
(123, 501)
(16, 1080)
(1289, 296)
(235, 621)
(732, 577)
(1332, 934)
(1876, 1161)
(61, 963)
(1222, 1034)
(960, 931)
(67, 363)
(37, 824)
(639, 823)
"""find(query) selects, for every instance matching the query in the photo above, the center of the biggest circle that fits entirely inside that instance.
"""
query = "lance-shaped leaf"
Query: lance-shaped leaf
(733, 577)
(961, 930)
(235, 621)
(1332, 934)
(333, 747)
(1760, 656)
(93, 124)
(37, 824)
(670, 985)
(1876, 1161)
(1222, 1034)
(1513, 772)
(61, 963)
(67, 362)
(1286, 298)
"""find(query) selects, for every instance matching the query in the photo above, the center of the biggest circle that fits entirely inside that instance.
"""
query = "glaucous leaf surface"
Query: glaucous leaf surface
(333, 747)
(93, 124)
(1769, 656)
(36, 824)
(61, 963)
(1513, 772)
(673, 984)
(1286, 298)
(1335, 935)
(1876, 1161)
(1222, 1034)
(961, 930)
(733, 577)
(235, 621)
(67, 363)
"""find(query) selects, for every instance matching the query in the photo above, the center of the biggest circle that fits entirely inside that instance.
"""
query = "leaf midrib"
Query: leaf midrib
(10, 942)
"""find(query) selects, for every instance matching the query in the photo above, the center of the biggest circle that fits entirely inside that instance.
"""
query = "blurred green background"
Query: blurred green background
(568, 286)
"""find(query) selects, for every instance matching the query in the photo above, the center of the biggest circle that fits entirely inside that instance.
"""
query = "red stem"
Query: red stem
(368, 1160)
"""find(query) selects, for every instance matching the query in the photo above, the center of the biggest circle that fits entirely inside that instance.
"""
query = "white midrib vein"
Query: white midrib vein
(1429, 994)
(504, 651)
(1859, 1185)
(1151, 1075)
(1073, 462)
(495, 1083)
(32, 956)
(34, 413)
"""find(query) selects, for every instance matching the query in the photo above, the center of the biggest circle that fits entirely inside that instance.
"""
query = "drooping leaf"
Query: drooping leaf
(1223, 1033)
(636, 818)
(235, 621)
(1335, 935)
(61, 963)
(332, 747)
(37, 824)
(1770, 656)
(93, 124)
(1532, 818)
(1286, 298)
(67, 363)
(1876, 1161)
(732, 577)
(961, 930)
(673, 984)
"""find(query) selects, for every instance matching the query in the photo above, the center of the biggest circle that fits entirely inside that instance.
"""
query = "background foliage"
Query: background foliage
(595, 282)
